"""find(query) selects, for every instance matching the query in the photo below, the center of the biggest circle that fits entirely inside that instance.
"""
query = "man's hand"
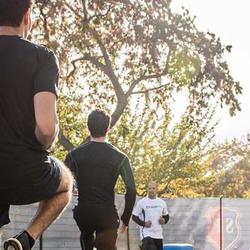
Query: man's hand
(148, 223)
(123, 228)
(162, 220)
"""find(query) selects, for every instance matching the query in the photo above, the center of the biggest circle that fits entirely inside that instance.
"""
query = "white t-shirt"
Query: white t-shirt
(154, 209)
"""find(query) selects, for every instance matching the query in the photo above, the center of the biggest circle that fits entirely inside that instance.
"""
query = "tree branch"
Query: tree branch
(85, 12)
(45, 23)
(100, 15)
(87, 57)
(153, 76)
(72, 9)
(106, 68)
(148, 90)
(121, 98)
(143, 78)
(109, 71)
(64, 141)
(121, 105)
(127, 2)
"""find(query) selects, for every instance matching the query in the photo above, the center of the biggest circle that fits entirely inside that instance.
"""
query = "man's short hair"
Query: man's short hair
(98, 123)
(12, 11)
(152, 182)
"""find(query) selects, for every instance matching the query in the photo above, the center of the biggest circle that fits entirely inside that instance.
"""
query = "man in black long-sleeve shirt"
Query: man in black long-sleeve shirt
(97, 166)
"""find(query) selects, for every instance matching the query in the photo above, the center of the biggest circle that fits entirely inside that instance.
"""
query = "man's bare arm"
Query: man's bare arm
(47, 125)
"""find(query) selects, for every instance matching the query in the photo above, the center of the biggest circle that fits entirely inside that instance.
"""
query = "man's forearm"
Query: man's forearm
(129, 204)
(138, 221)
(130, 196)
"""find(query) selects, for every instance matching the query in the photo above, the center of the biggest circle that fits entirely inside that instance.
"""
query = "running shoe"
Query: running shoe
(18, 242)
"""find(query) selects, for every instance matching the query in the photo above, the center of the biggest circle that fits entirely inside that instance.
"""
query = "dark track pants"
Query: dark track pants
(149, 243)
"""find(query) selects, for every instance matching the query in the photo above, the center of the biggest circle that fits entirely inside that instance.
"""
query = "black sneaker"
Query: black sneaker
(18, 242)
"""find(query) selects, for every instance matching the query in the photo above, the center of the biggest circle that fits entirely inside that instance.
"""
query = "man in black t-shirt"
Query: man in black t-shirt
(97, 165)
(28, 126)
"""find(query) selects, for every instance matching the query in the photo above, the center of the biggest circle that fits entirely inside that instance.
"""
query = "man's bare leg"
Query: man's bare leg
(50, 209)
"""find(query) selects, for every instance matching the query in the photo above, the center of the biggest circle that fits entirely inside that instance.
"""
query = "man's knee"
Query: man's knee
(65, 187)
(66, 183)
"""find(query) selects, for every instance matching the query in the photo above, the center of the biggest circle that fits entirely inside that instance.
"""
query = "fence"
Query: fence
(207, 224)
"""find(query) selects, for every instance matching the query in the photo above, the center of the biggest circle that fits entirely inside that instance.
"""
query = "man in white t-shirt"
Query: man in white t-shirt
(150, 214)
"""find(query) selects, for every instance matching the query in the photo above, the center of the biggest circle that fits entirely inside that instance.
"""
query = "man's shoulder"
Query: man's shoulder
(117, 150)
(44, 54)
(142, 200)
(160, 200)
(37, 47)
(80, 148)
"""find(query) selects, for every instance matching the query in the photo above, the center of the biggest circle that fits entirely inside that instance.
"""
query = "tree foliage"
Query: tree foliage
(169, 156)
(227, 170)
(112, 50)
(115, 53)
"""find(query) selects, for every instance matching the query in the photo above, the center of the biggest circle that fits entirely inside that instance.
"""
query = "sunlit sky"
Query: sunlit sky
(228, 19)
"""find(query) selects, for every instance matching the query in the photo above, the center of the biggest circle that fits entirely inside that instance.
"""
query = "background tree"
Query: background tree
(172, 157)
(114, 54)
(227, 170)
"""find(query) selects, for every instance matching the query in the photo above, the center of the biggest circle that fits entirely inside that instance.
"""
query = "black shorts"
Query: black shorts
(101, 220)
(96, 218)
(42, 188)
(149, 243)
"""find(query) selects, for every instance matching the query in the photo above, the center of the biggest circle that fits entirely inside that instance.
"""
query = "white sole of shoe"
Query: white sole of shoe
(9, 245)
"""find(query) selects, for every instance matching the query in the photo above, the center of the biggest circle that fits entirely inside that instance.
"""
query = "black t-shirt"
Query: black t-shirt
(97, 167)
(25, 69)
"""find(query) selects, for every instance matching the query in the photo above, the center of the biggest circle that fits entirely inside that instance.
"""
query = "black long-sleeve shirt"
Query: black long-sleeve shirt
(141, 223)
(97, 166)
